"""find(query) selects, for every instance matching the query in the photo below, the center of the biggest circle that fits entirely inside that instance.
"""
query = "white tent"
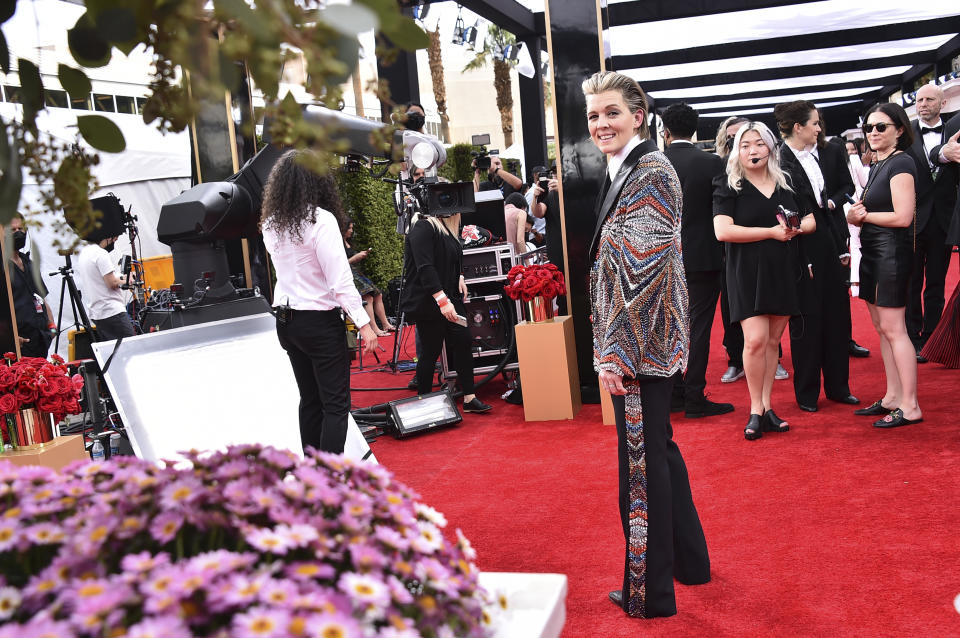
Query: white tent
(153, 169)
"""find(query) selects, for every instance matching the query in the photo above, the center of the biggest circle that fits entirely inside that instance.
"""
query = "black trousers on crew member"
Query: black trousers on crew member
(316, 342)
(675, 545)
(820, 338)
(114, 327)
(732, 332)
(703, 290)
(928, 276)
(434, 332)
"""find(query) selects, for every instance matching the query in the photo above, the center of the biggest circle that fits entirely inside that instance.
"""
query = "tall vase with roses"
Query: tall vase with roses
(32, 392)
(537, 285)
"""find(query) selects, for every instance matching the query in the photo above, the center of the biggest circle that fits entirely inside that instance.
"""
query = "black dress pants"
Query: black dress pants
(664, 538)
(928, 276)
(114, 327)
(820, 340)
(703, 289)
(732, 332)
(316, 342)
(433, 334)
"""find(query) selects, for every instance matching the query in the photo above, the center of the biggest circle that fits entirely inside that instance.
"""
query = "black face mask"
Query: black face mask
(19, 239)
(109, 247)
(415, 120)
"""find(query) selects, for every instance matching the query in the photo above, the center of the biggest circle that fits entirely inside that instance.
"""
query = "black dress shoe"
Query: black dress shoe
(705, 407)
(856, 350)
(895, 419)
(476, 405)
(849, 399)
(807, 408)
(616, 598)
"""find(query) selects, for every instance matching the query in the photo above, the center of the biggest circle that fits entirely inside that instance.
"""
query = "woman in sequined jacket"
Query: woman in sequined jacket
(640, 326)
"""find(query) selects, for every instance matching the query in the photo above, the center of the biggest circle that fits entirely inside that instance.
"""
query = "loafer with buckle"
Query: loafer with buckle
(874, 409)
(895, 419)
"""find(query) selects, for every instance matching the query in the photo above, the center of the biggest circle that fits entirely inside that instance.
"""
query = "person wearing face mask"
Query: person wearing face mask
(100, 285)
(820, 332)
(34, 319)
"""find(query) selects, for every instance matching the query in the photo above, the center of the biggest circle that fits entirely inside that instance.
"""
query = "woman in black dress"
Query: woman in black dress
(433, 294)
(762, 266)
(369, 292)
(886, 217)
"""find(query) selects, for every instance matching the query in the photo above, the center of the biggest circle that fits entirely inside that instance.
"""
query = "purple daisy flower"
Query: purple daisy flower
(333, 624)
(165, 526)
(261, 622)
(159, 627)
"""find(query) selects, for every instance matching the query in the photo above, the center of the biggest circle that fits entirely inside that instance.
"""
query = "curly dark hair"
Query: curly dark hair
(293, 193)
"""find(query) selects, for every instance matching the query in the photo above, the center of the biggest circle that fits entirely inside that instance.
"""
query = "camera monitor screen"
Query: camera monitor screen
(489, 213)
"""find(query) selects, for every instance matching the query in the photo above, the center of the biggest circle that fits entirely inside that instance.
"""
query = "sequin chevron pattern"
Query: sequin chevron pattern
(637, 282)
(636, 603)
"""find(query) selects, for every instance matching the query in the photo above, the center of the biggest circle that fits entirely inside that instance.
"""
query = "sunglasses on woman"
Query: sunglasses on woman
(880, 126)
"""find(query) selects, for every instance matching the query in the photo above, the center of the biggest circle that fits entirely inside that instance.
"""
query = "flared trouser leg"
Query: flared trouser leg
(660, 523)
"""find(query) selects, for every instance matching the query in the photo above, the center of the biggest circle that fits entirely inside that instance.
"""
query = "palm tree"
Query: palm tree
(496, 41)
(439, 87)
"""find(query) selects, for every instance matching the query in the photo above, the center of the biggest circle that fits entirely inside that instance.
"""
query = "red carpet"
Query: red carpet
(835, 528)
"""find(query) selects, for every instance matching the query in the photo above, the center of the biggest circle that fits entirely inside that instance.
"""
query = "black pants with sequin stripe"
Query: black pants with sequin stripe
(664, 538)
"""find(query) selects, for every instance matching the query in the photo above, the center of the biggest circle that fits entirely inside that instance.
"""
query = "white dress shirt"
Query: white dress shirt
(931, 139)
(811, 166)
(313, 273)
(616, 160)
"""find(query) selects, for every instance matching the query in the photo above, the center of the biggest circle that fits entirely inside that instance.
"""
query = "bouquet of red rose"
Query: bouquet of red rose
(35, 382)
(538, 280)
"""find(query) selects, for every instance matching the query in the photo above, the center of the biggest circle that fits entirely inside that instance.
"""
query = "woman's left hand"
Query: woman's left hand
(856, 214)
(463, 287)
(612, 382)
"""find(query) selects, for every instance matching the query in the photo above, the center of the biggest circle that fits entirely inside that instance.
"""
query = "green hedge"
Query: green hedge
(458, 167)
(369, 202)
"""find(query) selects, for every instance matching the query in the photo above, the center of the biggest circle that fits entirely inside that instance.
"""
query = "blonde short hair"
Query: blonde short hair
(735, 173)
(629, 89)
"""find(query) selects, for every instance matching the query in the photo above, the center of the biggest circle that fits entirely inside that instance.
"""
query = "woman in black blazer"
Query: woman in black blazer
(820, 334)
(433, 294)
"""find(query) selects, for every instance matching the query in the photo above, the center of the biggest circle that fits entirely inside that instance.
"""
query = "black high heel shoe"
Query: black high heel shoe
(772, 423)
(754, 429)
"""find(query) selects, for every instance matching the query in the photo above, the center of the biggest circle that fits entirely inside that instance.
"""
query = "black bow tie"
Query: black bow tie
(931, 129)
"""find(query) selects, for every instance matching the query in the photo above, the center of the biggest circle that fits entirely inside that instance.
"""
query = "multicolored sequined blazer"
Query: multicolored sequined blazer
(638, 287)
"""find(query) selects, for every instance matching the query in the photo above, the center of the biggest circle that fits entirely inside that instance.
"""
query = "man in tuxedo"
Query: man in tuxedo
(701, 255)
(936, 198)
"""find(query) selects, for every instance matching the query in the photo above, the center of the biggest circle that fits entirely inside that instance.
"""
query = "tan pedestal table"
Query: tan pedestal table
(547, 355)
(56, 454)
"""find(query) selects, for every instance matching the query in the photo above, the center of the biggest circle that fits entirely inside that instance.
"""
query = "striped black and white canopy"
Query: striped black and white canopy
(743, 57)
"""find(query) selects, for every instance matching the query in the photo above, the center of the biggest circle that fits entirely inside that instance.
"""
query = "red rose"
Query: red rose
(71, 406)
(77, 381)
(10, 356)
(8, 404)
(25, 394)
(57, 359)
(47, 404)
(7, 378)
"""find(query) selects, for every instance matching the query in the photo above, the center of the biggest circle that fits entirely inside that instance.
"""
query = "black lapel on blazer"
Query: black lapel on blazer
(613, 193)
(798, 176)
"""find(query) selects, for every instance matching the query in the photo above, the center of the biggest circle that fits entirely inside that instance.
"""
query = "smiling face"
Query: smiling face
(886, 141)
(807, 133)
(611, 123)
(851, 148)
(752, 147)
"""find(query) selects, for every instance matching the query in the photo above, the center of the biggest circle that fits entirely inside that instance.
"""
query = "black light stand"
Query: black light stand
(80, 317)
(132, 264)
